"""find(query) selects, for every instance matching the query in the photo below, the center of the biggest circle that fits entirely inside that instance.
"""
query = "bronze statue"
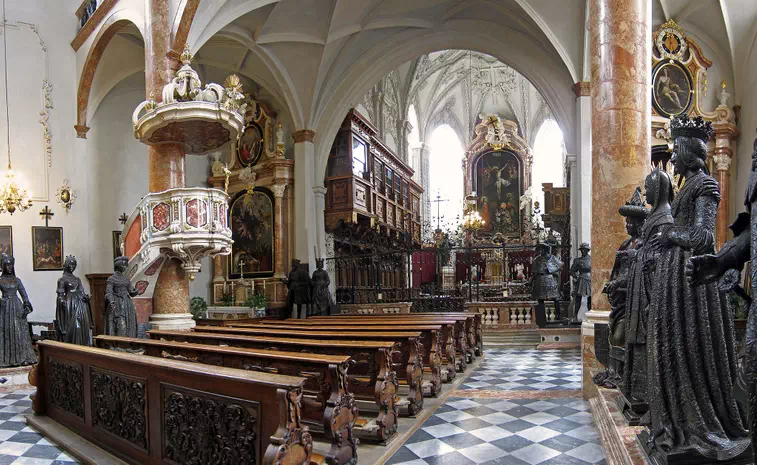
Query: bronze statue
(706, 269)
(73, 318)
(580, 271)
(690, 333)
(298, 285)
(322, 301)
(616, 289)
(120, 315)
(544, 282)
(641, 279)
(16, 349)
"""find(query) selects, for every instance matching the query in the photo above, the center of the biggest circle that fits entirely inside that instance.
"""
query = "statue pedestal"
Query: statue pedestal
(619, 440)
(559, 338)
(688, 457)
(172, 321)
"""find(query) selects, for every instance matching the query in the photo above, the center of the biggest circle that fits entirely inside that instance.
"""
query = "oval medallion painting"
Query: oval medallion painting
(250, 144)
(671, 93)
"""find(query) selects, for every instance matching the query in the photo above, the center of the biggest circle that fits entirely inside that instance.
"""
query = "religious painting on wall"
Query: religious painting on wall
(116, 244)
(6, 240)
(671, 90)
(497, 185)
(250, 144)
(47, 248)
(251, 222)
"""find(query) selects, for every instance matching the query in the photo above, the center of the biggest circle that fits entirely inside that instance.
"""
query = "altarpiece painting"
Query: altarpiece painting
(251, 222)
(497, 184)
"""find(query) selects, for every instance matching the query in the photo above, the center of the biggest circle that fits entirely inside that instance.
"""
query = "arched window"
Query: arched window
(446, 177)
(549, 163)
(414, 144)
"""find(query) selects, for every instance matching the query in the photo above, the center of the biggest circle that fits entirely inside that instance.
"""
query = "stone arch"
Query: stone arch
(550, 77)
(110, 27)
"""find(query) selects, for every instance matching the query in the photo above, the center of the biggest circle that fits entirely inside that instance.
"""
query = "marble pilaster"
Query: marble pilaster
(304, 206)
(722, 155)
(620, 40)
(278, 206)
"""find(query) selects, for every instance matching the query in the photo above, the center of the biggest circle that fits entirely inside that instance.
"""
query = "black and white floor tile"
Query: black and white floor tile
(494, 431)
(20, 444)
(527, 370)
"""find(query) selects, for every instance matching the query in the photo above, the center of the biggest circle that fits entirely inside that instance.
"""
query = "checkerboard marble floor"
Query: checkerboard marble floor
(20, 444)
(502, 428)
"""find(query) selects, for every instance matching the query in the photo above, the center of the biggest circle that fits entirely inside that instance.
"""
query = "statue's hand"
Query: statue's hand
(27, 308)
(703, 269)
(86, 297)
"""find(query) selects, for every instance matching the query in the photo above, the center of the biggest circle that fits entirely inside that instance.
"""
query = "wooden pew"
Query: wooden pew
(327, 406)
(407, 344)
(370, 378)
(149, 411)
(433, 340)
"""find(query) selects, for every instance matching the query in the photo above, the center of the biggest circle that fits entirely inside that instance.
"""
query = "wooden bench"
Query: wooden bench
(434, 340)
(370, 377)
(407, 346)
(152, 411)
(327, 406)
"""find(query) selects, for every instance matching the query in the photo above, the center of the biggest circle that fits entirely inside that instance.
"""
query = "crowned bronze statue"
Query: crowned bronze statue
(706, 269)
(322, 301)
(298, 295)
(16, 348)
(73, 318)
(616, 289)
(580, 271)
(544, 282)
(639, 293)
(690, 330)
(120, 314)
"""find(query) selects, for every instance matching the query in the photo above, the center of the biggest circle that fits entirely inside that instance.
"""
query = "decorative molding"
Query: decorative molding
(582, 89)
(44, 116)
(303, 135)
(81, 131)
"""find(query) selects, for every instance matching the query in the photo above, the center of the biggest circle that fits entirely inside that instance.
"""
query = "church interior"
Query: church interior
(305, 232)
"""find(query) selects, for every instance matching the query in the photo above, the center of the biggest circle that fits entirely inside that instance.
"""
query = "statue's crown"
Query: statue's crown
(635, 207)
(697, 127)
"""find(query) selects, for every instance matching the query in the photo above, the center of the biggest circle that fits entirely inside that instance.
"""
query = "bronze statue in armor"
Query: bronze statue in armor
(298, 285)
(120, 314)
(322, 301)
(580, 271)
(544, 282)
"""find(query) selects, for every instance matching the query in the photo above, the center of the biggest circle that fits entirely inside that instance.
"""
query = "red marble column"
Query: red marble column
(278, 205)
(620, 129)
(166, 167)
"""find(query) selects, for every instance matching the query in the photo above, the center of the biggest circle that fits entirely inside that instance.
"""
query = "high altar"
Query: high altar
(259, 182)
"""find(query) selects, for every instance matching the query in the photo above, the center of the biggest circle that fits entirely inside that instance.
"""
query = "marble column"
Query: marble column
(725, 133)
(304, 206)
(319, 193)
(278, 206)
(582, 89)
(166, 169)
(575, 212)
(620, 40)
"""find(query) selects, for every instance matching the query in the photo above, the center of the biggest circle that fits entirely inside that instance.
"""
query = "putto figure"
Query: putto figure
(690, 333)
(16, 349)
(72, 312)
(544, 285)
(580, 271)
(120, 315)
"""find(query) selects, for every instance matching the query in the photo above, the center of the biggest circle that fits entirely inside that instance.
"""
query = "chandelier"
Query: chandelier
(472, 221)
(12, 197)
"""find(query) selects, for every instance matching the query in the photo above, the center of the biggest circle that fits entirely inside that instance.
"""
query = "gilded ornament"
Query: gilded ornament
(65, 195)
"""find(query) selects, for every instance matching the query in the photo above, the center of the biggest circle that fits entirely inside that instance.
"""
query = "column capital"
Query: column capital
(81, 131)
(303, 135)
(582, 89)
(278, 190)
(320, 191)
(722, 161)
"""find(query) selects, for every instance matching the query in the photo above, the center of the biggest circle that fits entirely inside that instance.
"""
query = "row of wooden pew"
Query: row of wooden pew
(334, 371)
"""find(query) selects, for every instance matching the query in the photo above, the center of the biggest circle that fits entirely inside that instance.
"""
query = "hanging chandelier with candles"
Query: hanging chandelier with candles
(12, 196)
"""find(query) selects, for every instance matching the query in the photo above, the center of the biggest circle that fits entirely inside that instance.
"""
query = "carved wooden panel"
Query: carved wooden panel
(390, 214)
(360, 195)
(202, 428)
(339, 192)
(380, 203)
(65, 386)
(119, 405)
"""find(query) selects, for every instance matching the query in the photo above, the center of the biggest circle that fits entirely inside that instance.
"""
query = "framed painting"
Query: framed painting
(671, 88)
(47, 248)
(116, 239)
(497, 183)
(251, 223)
(6, 240)
(250, 144)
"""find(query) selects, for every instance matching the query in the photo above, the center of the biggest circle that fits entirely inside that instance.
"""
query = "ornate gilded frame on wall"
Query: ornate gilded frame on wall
(257, 141)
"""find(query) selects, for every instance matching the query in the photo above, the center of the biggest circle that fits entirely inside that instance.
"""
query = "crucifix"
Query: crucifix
(123, 218)
(46, 213)
(438, 202)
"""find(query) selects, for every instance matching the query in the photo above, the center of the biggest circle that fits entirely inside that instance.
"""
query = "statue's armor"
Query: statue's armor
(545, 286)
(582, 266)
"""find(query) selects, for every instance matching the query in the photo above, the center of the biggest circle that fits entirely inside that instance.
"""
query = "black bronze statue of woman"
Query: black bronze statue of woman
(16, 348)
(120, 315)
(690, 339)
(659, 194)
(72, 311)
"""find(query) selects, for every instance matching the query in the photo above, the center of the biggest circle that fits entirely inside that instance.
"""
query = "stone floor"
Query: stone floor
(519, 407)
(20, 444)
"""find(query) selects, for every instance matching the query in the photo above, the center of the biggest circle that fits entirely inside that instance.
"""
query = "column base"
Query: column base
(172, 321)
(589, 360)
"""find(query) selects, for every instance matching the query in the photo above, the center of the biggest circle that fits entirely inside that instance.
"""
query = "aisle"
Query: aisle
(519, 407)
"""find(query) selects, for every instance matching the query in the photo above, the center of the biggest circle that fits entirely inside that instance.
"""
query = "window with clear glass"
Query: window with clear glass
(389, 190)
(359, 157)
(378, 171)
